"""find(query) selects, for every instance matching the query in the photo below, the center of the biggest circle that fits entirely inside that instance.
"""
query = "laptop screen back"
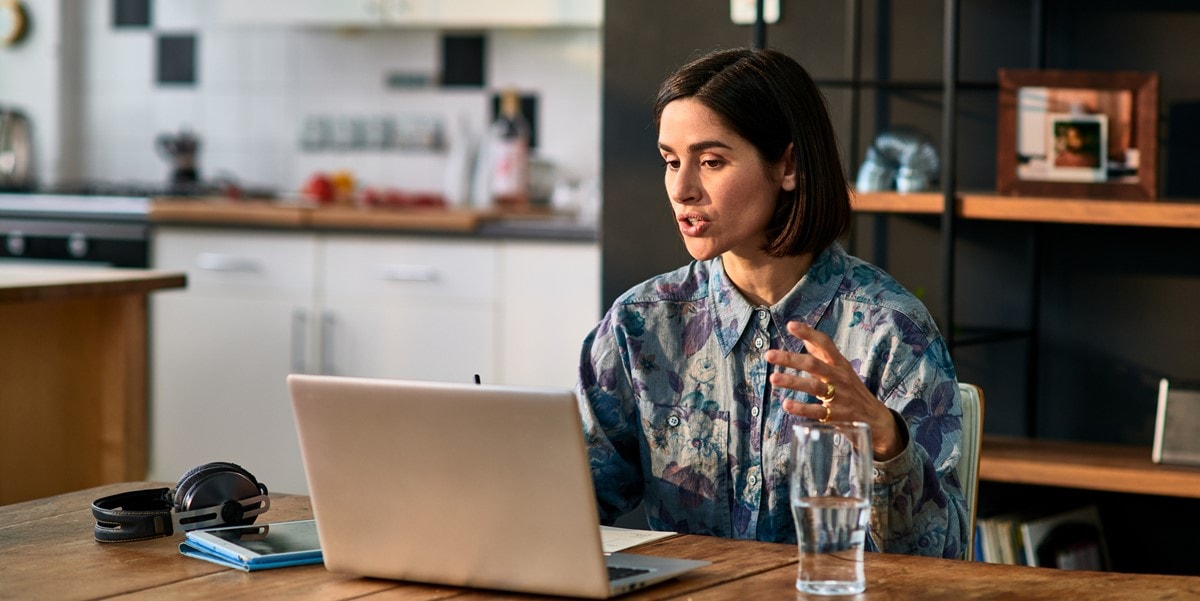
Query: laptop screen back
(465, 485)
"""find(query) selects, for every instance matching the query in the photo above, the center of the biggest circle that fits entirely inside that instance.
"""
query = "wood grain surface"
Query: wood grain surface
(47, 552)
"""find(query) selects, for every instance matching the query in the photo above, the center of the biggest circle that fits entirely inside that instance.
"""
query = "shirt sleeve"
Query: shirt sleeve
(918, 506)
(610, 418)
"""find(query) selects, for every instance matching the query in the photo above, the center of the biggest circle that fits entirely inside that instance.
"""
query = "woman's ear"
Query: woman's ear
(788, 164)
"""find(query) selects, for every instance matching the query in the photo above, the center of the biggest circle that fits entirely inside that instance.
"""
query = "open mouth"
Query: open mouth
(692, 225)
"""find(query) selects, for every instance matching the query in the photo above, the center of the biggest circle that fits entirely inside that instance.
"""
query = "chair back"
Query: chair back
(971, 397)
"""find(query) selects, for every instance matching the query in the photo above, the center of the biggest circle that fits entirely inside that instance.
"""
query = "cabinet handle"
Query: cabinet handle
(299, 341)
(327, 323)
(224, 262)
(406, 272)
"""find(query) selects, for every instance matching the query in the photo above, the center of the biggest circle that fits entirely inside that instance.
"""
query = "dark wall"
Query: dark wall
(643, 43)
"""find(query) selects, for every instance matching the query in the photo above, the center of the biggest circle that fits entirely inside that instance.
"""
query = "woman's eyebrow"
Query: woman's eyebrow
(697, 146)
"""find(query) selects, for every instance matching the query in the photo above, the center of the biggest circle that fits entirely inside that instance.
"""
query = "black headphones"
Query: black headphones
(213, 494)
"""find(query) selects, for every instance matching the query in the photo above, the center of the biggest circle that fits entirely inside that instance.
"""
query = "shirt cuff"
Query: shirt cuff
(897, 468)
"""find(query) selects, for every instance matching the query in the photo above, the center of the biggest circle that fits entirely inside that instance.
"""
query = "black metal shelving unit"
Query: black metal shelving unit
(950, 85)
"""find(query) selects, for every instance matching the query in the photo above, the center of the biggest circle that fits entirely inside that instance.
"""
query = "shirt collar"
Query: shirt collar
(807, 301)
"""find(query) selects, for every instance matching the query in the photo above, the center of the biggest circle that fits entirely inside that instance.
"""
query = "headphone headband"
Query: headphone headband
(131, 516)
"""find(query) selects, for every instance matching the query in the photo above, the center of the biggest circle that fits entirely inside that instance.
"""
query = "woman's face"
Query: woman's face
(721, 191)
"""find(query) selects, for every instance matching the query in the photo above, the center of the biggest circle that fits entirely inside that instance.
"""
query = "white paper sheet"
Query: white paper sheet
(618, 539)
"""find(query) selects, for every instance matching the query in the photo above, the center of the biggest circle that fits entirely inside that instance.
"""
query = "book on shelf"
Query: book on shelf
(1071, 540)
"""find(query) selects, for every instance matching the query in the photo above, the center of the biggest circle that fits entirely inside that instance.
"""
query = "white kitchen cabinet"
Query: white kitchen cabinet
(261, 304)
(412, 13)
(550, 300)
(222, 348)
(416, 308)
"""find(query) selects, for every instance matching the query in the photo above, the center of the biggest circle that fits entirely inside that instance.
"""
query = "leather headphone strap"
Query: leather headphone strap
(131, 516)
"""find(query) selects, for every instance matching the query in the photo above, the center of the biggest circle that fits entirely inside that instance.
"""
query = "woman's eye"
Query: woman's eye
(672, 164)
(712, 163)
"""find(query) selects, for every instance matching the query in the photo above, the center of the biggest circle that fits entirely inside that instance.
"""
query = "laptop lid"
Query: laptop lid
(465, 485)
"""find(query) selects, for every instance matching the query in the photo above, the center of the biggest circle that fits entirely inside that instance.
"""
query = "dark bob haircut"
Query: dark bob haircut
(771, 101)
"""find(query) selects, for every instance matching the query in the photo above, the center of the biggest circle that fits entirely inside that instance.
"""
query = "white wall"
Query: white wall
(31, 80)
(257, 84)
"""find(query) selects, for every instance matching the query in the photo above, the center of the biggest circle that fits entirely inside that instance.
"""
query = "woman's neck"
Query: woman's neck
(762, 279)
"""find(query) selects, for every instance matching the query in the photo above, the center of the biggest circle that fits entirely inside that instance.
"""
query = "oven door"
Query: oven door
(79, 243)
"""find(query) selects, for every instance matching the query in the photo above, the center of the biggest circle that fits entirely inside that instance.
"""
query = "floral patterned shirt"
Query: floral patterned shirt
(678, 411)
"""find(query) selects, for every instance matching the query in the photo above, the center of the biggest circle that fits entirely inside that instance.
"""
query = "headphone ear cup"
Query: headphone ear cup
(215, 485)
(200, 472)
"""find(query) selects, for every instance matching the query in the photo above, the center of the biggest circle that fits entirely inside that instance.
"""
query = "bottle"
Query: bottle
(508, 155)
(456, 186)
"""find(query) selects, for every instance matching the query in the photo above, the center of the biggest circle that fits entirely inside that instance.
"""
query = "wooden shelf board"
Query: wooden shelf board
(1115, 468)
(1071, 210)
(1173, 213)
(895, 202)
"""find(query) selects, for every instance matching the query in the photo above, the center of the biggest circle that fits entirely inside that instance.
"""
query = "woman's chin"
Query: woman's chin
(700, 250)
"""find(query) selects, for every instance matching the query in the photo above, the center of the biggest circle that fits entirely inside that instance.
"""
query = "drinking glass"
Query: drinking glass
(831, 482)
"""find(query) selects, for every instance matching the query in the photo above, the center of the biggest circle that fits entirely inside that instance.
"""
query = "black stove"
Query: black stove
(102, 227)
(93, 222)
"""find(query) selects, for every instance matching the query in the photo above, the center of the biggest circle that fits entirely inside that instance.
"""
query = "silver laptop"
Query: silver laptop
(464, 485)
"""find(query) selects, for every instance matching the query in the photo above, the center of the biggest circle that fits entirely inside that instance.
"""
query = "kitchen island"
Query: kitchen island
(73, 376)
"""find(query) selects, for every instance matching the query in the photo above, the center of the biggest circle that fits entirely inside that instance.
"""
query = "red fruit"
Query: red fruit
(319, 188)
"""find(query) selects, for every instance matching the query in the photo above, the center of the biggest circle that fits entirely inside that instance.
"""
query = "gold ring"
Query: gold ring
(828, 412)
(830, 391)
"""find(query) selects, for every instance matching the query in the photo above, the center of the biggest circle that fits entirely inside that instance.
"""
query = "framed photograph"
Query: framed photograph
(1076, 150)
(1077, 134)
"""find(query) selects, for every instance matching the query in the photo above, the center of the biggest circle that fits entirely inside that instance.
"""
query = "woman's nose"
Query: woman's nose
(682, 186)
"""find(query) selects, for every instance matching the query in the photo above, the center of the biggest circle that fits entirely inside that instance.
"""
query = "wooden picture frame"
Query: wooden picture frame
(1039, 108)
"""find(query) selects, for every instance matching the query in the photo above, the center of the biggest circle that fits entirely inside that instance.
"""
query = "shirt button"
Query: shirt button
(673, 421)
(753, 479)
(763, 315)
(754, 411)
(758, 343)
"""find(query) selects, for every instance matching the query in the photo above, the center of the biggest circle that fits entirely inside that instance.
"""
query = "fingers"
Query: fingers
(817, 367)
(799, 362)
(816, 342)
(814, 386)
(813, 411)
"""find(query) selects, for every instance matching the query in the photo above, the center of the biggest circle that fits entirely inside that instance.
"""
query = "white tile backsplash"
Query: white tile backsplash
(175, 109)
(223, 61)
(180, 14)
(258, 83)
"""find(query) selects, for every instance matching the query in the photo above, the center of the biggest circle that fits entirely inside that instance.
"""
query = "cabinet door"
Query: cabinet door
(550, 301)
(414, 308)
(222, 349)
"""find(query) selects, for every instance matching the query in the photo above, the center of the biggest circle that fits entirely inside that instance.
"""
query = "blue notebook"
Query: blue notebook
(257, 546)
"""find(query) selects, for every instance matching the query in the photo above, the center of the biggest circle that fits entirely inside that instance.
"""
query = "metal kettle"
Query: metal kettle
(16, 151)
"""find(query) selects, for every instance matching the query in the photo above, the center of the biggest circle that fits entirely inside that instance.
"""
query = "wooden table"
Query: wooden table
(47, 552)
(73, 377)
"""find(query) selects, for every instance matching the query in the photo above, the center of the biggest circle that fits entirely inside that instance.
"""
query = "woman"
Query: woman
(690, 384)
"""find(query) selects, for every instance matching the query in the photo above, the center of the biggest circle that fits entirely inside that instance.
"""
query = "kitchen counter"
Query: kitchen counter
(73, 377)
(27, 283)
(280, 214)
